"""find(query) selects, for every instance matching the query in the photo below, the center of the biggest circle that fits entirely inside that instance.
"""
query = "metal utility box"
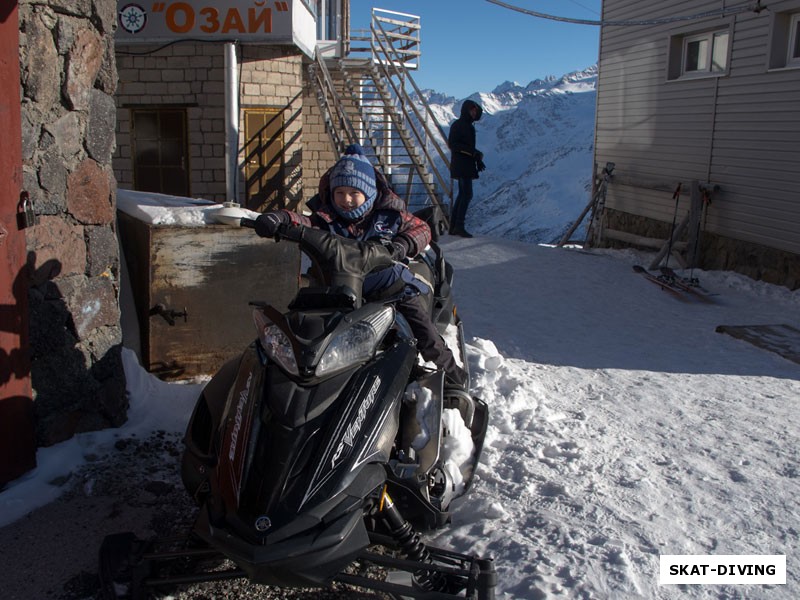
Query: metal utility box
(191, 288)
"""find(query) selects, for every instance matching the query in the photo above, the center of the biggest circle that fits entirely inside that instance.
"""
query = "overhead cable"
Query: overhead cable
(730, 10)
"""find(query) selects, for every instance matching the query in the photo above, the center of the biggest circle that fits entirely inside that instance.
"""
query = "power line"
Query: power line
(584, 6)
(731, 10)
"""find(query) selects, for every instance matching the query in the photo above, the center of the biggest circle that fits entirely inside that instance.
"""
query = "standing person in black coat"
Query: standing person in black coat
(465, 163)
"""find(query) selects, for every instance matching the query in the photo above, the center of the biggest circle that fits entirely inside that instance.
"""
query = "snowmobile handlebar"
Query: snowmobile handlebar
(342, 262)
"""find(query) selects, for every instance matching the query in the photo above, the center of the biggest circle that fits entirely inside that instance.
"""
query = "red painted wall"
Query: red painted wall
(17, 438)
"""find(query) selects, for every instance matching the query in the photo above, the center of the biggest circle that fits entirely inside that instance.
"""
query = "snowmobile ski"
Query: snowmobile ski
(133, 569)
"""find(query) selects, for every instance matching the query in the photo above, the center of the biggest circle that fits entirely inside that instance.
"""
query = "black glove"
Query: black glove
(478, 155)
(480, 165)
(400, 248)
(267, 223)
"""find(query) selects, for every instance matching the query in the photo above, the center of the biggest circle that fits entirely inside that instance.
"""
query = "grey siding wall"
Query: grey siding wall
(739, 130)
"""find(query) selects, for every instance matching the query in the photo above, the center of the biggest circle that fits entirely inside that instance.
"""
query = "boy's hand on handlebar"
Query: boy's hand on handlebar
(267, 224)
(400, 248)
(396, 249)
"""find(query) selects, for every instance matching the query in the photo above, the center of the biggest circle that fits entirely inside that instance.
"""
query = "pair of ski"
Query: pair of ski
(671, 282)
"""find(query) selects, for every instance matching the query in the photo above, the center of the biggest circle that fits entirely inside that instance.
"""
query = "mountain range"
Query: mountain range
(537, 142)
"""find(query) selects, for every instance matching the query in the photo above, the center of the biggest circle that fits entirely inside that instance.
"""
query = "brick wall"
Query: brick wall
(272, 77)
(191, 75)
(318, 154)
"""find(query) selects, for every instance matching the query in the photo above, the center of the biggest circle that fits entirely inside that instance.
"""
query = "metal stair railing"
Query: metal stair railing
(338, 120)
(369, 116)
(334, 113)
(403, 74)
(393, 123)
(387, 122)
(391, 62)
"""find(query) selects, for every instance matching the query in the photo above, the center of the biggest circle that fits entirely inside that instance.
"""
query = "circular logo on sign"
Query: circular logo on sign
(132, 18)
(263, 523)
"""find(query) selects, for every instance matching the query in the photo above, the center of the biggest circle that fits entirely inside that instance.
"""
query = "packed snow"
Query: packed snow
(623, 427)
(164, 209)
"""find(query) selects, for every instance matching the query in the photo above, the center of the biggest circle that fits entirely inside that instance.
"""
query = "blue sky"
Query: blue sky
(474, 46)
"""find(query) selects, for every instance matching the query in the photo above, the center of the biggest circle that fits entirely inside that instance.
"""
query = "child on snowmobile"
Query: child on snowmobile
(355, 201)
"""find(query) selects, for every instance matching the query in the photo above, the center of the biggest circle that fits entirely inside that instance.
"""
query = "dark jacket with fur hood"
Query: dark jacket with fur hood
(461, 140)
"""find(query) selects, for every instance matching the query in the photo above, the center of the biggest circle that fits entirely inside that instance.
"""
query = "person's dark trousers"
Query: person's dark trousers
(460, 206)
(429, 343)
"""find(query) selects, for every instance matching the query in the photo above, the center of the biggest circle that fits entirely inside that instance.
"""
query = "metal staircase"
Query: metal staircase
(366, 98)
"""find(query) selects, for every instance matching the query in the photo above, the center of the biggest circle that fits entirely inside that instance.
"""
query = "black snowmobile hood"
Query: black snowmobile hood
(465, 108)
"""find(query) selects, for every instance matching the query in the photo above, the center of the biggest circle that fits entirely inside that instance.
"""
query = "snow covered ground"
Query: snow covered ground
(623, 427)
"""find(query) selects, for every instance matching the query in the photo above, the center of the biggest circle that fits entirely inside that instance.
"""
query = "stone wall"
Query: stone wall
(718, 253)
(68, 114)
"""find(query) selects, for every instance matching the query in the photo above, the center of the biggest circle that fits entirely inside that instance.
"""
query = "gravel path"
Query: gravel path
(52, 553)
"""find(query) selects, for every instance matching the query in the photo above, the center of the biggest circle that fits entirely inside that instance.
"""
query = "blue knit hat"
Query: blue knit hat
(354, 170)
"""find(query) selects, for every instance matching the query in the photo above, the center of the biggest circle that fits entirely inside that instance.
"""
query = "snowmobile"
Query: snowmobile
(320, 453)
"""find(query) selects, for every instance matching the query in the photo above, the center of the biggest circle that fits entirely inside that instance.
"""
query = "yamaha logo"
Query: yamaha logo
(263, 523)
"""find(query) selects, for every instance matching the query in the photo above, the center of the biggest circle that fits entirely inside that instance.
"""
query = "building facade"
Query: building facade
(708, 93)
(173, 97)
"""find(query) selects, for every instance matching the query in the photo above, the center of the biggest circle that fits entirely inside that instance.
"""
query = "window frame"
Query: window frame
(793, 50)
(783, 37)
(678, 52)
(707, 68)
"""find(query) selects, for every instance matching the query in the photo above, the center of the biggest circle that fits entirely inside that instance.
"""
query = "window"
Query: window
(784, 50)
(705, 53)
(794, 41)
(699, 54)
(160, 151)
(327, 17)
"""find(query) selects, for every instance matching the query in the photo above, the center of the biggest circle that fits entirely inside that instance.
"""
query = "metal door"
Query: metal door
(160, 150)
(17, 437)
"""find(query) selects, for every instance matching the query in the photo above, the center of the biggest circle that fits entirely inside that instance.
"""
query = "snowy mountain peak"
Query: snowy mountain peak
(506, 86)
(537, 142)
(509, 95)
(434, 97)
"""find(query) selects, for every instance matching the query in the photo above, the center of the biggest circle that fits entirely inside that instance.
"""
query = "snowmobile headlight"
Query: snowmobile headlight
(276, 343)
(357, 343)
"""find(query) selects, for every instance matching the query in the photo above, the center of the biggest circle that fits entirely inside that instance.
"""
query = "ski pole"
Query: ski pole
(676, 195)
(706, 196)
